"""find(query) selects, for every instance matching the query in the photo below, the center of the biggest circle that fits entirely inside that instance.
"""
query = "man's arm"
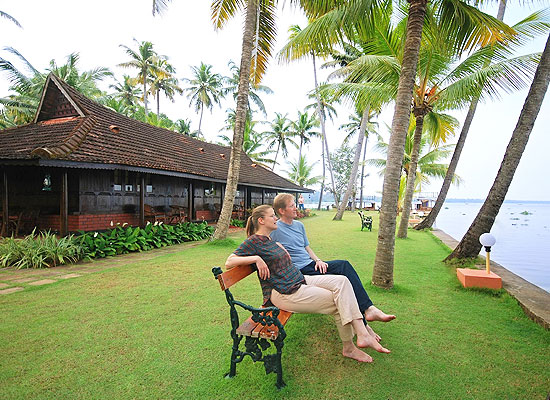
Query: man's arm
(320, 265)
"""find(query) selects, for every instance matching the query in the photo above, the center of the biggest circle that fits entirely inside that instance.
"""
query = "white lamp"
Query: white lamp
(487, 240)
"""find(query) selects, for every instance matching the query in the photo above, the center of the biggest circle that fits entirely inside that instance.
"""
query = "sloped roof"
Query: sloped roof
(69, 127)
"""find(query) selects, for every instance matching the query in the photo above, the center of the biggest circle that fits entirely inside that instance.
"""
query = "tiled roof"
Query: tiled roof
(103, 136)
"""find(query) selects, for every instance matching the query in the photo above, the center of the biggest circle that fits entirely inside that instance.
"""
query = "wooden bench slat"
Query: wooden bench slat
(234, 275)
(247, 327)
(271, 332)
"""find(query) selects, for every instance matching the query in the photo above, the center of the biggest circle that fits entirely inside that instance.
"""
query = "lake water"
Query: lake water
(523, 240)
(522, 231)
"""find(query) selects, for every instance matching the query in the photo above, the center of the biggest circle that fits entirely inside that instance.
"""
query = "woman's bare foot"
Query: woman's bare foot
(370, 341)
(373, 333)
(356, 354)
(374, 314)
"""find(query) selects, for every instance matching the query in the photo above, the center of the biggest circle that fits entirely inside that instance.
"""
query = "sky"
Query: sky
(53, 29)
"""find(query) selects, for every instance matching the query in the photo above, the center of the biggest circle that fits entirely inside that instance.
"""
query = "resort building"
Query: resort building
(82, 166)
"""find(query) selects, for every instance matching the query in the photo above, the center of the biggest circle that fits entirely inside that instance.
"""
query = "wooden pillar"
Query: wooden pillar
(191, 201)
(263, 196)
(64, 205)
(5, 211)
(142, 191)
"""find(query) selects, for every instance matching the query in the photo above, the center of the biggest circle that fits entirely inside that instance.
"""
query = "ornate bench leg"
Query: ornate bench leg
(279, 346)
(234, 355)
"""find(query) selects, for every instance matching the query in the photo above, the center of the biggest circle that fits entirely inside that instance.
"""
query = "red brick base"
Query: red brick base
(87, 222)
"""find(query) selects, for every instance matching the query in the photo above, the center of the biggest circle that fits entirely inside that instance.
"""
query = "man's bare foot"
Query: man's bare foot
(370, 341)
(357, 354)
(374, 314)
(373, 333)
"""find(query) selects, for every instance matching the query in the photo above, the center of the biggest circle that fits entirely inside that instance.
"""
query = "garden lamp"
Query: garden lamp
(487, 240)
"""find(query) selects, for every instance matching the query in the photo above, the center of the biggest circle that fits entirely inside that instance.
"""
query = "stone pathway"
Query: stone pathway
(534, 300)
(13, 280)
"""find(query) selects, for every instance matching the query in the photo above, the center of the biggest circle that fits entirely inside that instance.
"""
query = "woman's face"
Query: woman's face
(270, 219)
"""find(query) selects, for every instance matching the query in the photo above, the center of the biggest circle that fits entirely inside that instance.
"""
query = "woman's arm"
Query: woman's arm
(233, 260)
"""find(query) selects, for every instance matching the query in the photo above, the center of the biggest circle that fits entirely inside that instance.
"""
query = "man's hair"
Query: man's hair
(281, 200)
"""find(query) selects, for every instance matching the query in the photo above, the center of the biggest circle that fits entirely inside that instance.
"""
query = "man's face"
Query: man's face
(290, 210)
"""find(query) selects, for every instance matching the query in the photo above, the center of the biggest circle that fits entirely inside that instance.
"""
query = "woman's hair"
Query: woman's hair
(280, 201)
(252, 224)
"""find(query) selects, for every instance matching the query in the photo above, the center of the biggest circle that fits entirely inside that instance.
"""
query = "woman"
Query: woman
(284, 286)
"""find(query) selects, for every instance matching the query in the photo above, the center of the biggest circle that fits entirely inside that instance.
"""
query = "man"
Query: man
(292, 235)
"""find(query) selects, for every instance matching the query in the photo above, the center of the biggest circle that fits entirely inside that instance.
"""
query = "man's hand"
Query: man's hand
(321, 266)
(263, 270)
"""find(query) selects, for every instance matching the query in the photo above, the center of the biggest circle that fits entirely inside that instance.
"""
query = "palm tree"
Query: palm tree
(126, 91)
(469, 245)
(163, 80)
(279, 136)
(183, 126)
(9, 18)
(232, 86)
(19, 108)
(205, 89)
(300, 173)
(302, 128)
(528, 27)
(258, 38)
(465, 26)
(252, 142)
(145, 61)
(353, 127)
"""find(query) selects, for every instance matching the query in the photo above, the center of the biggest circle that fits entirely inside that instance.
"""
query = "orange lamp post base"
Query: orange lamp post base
(478, 278)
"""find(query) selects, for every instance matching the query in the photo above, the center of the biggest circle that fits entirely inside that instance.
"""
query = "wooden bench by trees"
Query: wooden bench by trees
(366, 221)
(265, 325)
(153, 215)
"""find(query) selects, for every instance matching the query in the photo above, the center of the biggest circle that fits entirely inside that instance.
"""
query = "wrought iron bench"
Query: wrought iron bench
(366, 221)
(265, 325)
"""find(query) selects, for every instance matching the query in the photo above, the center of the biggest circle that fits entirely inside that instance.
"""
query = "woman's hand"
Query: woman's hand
(263, 269)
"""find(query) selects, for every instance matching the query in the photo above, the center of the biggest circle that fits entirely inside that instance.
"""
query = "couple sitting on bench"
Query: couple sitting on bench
(293, 278)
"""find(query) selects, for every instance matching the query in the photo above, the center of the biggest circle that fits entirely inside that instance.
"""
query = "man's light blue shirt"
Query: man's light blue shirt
(293, 238)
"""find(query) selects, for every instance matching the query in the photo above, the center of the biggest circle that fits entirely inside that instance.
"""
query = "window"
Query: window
(117, 181)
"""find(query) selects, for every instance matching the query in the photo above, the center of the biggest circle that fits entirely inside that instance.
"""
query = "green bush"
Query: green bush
(44, 250)
(238, 223)
(122, 240)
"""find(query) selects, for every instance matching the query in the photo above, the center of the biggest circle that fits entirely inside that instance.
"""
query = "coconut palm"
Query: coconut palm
(183, 126)
(232, 86)
(469, 245)
(303, 127)
(527, 28)
(145, 61)
(258, 40)
(280, 136)
(465, 26)
(28, 84)
(126, 92)
(163, 80)
(300, 173)
(204, 89)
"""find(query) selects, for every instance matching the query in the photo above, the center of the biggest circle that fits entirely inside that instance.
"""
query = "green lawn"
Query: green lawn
(159, 329)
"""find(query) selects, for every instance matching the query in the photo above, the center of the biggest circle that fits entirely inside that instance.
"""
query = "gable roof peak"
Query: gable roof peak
(56, 101)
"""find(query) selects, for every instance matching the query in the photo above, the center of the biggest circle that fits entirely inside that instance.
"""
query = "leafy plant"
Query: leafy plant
(126, 239)
(44, 250)
(239, 223)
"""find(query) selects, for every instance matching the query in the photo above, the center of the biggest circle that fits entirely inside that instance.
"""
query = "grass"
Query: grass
(159, 329)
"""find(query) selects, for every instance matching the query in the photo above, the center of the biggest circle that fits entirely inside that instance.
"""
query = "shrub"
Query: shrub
(122, 240)
(239, 223)
(44, 250)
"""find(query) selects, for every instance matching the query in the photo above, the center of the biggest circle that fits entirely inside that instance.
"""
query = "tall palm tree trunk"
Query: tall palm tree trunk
(240, 118)
(145, 93)
(276, 155)
(382, 274)
(354, 167)
(442, 195)
(362, 175)
(200, 118)
(469, 246)
(324, 176)
(158, 103)
(411, 178)
(300, 151)
(323, 132)
(329, 165)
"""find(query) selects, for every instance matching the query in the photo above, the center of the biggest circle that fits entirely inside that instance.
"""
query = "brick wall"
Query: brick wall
(88, 222)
